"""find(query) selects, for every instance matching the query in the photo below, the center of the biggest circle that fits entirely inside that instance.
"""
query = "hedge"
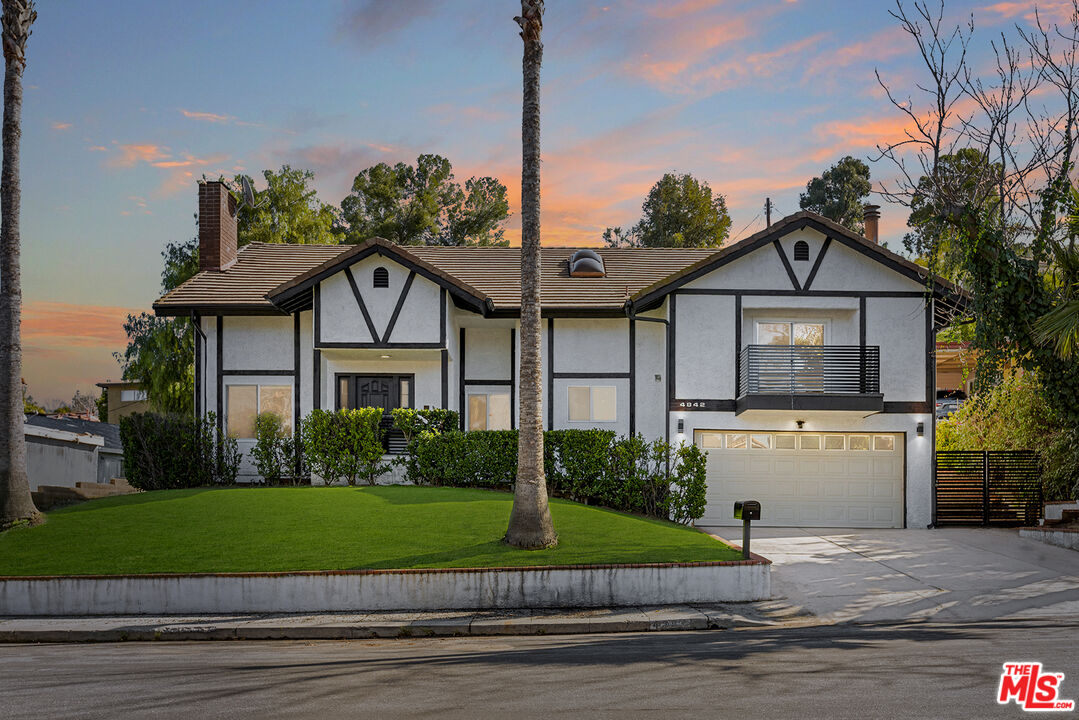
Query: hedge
(344, 445)
(591, 466)
(166, 451)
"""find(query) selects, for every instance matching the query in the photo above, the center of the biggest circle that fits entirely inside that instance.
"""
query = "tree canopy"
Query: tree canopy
(839, 193)
(286, 211)
(680, 211)
(422, 204)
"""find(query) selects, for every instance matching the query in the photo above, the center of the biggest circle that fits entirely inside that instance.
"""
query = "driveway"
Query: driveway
(947, 574)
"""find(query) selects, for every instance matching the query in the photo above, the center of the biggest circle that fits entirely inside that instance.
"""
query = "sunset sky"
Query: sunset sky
(129, 102)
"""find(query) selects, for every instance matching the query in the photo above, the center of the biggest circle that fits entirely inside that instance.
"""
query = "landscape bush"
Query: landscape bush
(344, 445)
(168, 451)
(590, 466)
(275, 453)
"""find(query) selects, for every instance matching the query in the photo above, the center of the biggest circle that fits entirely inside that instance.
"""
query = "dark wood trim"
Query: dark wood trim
(513, 374)
(737, 343)
(269, 373)
(930, 357)
(817, 262)
(461, 379)
(211, 309)
(869, 402)
(550, 373)
(700, 405)
(220, 350)
(862, 331)
(316, 389)
(382, 346)
(787, 265)
(397, 308)
(363, 306)
(671, 346)
(501, 383)
(445, 362)
(442, 316)
(803, 293)
(317, 308)
(913, 408)
(632, 377)
(669, 341)
(590, 375)
(296, 386)
(597, 313)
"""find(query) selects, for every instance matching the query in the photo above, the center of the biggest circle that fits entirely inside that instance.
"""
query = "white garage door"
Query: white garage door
(805, 479)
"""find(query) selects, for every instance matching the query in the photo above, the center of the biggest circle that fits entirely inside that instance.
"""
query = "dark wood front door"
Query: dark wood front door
(375, 392)
(384, 391)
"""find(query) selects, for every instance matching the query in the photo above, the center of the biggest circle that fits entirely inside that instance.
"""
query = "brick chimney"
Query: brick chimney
(871, 216)
(217, 226)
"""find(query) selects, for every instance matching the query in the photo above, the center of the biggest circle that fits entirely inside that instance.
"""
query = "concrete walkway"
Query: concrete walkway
(946, 574)
(399, 625)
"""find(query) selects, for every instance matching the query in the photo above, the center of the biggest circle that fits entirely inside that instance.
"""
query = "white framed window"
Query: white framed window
(736, 441)
(132, 395)
(884, 442)
(244, 403)
(858, 442)
(595, 403)
(760, 442)
(786, 442)
(835, 442)
(489, 411)
(809, 442)
(790, 333)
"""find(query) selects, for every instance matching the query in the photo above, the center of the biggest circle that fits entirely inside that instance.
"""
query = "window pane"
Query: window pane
(278, 400)
(604, 401)
(241, 406)
(808, 334)
(786, 442)
(834, 442)
(760, 442)
(477, 412)
(579, 400)
(884, 442)
(810, 442)
(711, 440)
(736, 441)
(498, 411)
(344, 398)
(773, 333)
(859, 442)
(132, 395)
(405, 393)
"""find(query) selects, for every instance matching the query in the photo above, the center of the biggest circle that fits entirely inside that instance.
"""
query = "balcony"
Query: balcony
(798, 377)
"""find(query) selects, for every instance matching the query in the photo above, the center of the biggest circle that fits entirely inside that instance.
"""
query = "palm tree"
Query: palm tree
(530, 521)
(15, 502)
(1060, 326)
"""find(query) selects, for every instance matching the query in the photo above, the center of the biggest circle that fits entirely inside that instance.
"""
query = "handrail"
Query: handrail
(800, 369)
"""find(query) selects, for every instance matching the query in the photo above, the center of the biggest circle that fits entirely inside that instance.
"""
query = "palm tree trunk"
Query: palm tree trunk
(15, 501)
(530, 520)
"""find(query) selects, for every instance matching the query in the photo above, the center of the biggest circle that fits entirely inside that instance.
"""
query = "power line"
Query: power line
(739, 235)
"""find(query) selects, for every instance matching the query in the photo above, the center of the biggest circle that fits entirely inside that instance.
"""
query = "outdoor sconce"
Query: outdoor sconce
(800, 423)
(921, 429)
(681, 426)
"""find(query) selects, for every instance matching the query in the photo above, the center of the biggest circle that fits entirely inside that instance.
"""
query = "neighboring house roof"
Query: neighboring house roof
(110, 433)
(127, 384)
(277, 278)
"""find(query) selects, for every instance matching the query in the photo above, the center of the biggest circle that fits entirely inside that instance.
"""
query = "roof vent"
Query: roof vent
(586, 263)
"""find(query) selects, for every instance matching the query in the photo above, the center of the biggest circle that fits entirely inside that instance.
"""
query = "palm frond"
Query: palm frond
(1060, 327)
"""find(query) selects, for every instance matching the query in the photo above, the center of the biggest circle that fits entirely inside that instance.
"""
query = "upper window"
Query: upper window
(244, 403)
(593, 404)
(132, 395)
(790, 333)
(382, 277)
(801, 250)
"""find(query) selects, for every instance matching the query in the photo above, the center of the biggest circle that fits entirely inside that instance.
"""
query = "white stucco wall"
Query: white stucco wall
(847, 269)
(897, 325)
(258, 343)
(591, 344)
(759, 270)
(339, 315)
(651, 392)
(704, 346)
(487, 353)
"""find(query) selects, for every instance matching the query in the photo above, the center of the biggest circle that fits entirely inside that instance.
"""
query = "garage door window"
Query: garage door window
(859, 442)
(760, 442)
(810, 442)
(736, 441)
(834, 442)
(884, 442)
(786, 442)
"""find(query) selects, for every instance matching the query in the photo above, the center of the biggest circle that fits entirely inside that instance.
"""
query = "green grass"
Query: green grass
(275, 529)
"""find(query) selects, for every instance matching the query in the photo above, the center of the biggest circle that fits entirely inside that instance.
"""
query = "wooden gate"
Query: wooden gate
(998, 488)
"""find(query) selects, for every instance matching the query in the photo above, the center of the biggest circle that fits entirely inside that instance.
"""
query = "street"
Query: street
(885, 671)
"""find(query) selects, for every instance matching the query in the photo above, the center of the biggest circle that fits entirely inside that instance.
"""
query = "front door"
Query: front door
(374, 392)
(384, 391)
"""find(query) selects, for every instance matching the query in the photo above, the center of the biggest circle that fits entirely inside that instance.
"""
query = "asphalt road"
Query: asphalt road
(940, 671)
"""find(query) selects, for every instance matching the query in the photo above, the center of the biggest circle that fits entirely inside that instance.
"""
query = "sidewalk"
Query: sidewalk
(399, 625)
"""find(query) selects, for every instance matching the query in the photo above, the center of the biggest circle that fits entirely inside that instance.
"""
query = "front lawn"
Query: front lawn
(337, 528)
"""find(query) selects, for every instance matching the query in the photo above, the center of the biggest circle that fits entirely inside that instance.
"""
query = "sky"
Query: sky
(127, 103)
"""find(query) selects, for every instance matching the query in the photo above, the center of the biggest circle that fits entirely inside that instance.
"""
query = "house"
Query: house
(124, 398)
(800, 359)
(69, 453)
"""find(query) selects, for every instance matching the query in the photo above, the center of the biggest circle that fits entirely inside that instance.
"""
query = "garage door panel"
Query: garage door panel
(808, 487)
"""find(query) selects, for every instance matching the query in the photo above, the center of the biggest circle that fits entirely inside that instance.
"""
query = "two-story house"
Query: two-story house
(800, 359)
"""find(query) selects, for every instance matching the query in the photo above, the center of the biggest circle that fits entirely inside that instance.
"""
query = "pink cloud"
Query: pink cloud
(134, 153)
(45, 323)
(61, 126)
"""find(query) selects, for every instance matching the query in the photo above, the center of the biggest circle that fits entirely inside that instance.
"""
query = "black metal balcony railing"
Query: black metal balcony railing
(799, 369)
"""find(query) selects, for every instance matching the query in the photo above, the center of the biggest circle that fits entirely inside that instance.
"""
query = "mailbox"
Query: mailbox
(747, 510)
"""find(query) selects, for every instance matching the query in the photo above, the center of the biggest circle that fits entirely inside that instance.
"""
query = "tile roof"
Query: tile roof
(110, 433)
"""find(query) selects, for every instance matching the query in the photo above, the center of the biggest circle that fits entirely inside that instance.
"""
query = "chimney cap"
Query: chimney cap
(871, 210)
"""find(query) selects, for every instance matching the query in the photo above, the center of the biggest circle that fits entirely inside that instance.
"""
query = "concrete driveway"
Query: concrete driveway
(948, 574)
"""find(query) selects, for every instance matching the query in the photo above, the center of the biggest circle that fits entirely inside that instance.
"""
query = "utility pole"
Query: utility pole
(767, 212)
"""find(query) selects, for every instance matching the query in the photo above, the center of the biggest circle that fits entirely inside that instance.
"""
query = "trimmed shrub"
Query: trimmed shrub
(168, 451)
(687, 498)
(275, 453)
(480, 458)
(344, 445)
(576, 463)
